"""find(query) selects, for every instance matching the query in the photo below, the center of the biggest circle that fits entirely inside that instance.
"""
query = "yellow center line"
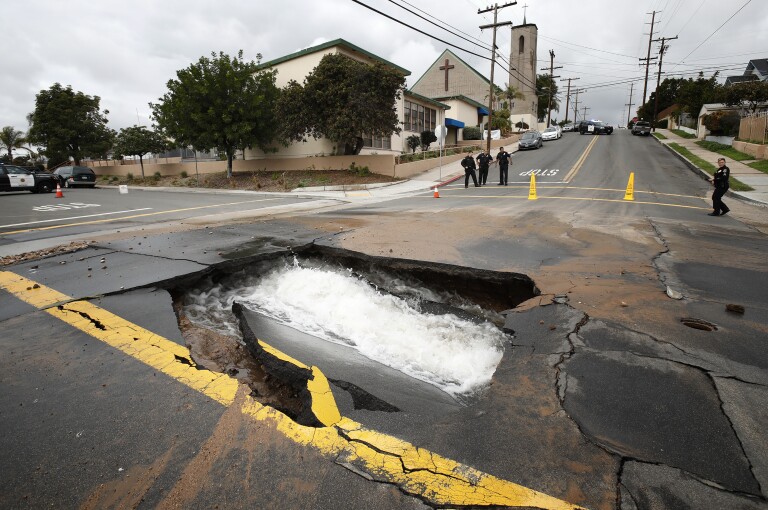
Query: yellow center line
(622, 190)
(587, 199)
(416, 471)
(93, 222)
(580, 161)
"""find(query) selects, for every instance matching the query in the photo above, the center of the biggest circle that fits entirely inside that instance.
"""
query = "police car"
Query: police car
(16, 178)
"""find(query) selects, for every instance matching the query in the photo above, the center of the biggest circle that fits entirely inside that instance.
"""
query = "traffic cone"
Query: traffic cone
(532, 190)
(437, 195)
(59, 194)
(630, 193)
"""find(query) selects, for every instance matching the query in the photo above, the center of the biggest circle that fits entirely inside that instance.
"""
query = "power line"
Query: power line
(588, 47)
(443, 22)
(716, 30)
(485, 47)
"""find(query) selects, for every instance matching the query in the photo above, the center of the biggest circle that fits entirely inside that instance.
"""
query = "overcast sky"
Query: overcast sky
(126, 51)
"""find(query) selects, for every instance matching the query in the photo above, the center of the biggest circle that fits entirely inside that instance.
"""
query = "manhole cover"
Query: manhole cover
(698, 324)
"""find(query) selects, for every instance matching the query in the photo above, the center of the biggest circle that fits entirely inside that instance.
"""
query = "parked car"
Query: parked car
(550, 134)
(71, 176)
(594, 127)
(642, 127)
(17, 178)
(530, 140)
(569, 127)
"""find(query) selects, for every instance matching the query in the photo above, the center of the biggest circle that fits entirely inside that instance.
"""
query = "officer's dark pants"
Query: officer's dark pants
(467, 173)
(717, 201)
(483, 175)
(503, 174)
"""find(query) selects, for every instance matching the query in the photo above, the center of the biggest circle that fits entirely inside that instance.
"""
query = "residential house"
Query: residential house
(757, 70)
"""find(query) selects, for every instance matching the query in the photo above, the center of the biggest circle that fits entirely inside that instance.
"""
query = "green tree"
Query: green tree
(69, 124)
(693, 94)
(501, 121)
(749, 94)
(11, 139)
(137, 141)
(427, 138)
(667, 91)
(509, 94)
(545, 83)
(413, 141)
(220, 102)
(342, 99)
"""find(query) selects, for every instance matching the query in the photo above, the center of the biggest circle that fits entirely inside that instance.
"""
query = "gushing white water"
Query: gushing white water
(454, 354)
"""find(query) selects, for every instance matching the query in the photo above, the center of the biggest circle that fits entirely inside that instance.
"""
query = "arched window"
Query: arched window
(521, 44)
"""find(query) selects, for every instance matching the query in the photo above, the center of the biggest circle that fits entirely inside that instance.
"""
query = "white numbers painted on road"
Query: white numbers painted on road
(538, 172)
(63, 207)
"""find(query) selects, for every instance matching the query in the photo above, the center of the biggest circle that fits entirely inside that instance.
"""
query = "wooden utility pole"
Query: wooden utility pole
(629, 105)
(495, 25)
(576, 106)
(551, 82)
(648, 57)
(568, 97)
(662, 50)
(585, 112)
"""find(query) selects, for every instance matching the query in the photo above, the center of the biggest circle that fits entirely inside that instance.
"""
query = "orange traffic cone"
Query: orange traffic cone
(437, 195)
(59, 194)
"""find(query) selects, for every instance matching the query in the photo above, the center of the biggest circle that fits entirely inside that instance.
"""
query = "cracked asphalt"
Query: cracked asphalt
(603, 399)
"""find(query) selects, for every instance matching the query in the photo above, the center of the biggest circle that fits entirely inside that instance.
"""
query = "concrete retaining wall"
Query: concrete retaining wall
(753, 149)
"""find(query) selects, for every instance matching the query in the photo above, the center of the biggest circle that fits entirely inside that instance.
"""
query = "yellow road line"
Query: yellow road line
(383, 458)
(587, 199)
(581, 160)
(135, 216)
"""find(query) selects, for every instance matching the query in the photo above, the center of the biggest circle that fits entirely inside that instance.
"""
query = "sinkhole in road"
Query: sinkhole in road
(440, 324)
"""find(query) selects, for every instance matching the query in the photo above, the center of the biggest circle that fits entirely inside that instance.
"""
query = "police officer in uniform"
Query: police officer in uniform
(484, 159)
(503, 158)
(469, 169)
(721, 184)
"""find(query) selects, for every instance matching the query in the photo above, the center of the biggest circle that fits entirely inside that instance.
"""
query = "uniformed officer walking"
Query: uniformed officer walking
(503, 158)
(484, 160)
(721, 184)
(469, 170)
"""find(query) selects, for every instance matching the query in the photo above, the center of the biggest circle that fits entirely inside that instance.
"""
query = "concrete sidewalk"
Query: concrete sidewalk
(746, 174)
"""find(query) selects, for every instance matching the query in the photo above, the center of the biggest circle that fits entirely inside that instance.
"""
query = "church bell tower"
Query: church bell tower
(523, 76)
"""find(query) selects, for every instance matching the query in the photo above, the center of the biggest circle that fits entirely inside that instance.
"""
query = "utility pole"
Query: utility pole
(629, 105)
(648, 57)
(662, 50)
(585, 112)
(551, 82)
(495, 25)
(576, 105)
(568, 97)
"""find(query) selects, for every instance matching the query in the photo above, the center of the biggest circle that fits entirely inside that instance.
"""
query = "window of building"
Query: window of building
(521, 44)
(377, 142)
(418, 118)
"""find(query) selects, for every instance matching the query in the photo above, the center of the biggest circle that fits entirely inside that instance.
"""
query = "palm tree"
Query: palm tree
(11, 139)
(510, 94)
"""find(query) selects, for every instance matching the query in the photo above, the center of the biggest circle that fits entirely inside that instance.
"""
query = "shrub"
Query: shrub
(427, 138)
(129, 176)
(184, 174)
(413, 141)
(157, 175)
(360, 171)
(472, 133)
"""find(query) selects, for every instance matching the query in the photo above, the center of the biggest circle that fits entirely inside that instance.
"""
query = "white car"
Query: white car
(550, 133)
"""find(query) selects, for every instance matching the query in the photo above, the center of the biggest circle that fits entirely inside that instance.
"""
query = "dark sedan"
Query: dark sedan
(71, 176)
(595, 127)
(530, 140)
(17, 178)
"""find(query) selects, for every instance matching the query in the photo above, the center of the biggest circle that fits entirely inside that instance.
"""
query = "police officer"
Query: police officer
(469, 169)
(721, 184)
(503, 158)
(484, 159)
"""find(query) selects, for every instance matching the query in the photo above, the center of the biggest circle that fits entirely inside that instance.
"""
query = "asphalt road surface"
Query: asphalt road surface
(610, 393)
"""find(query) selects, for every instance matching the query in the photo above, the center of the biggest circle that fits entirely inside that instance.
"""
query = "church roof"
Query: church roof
(453, 55)
(330, 44)
(466, 99)
(427, 99)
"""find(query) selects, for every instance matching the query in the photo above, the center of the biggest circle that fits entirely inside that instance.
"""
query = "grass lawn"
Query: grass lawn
(725, 150)
(659, 136)
(682, 134)
(708, 167)
(761, 165)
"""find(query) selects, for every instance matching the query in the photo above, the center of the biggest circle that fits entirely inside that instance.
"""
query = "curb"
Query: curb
(704, 175)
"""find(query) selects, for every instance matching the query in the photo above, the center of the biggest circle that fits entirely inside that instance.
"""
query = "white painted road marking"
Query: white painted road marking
(63, 207)
(74, 217)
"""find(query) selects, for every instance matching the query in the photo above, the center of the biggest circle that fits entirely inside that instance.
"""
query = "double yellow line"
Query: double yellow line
(580, 161)
(380, 457)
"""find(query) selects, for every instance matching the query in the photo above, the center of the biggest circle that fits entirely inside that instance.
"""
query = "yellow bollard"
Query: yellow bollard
(630, 194)
(532, 190)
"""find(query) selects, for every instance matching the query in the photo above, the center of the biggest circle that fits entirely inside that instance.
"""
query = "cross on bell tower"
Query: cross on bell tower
(446, 68)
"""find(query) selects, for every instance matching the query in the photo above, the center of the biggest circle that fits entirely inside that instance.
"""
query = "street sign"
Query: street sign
(440, 132)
